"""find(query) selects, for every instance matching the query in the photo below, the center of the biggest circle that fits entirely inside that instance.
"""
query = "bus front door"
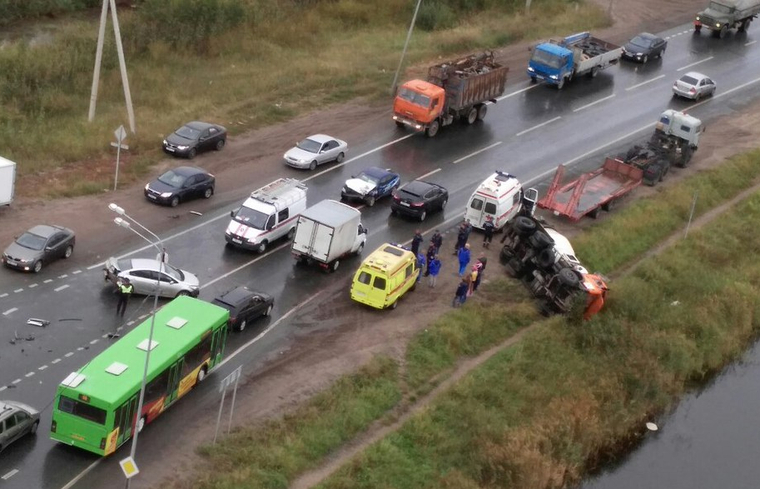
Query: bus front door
(217, 345)
(127, 419)
(173, 386)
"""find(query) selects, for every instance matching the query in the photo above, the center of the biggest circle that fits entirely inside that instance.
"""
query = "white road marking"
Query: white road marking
(16, 381)
(105, 336)
(686, 31)
(350, 160)
(80, 348)
(515, 93)
(42, 368)
(47, 281)
(594, 103)
(9, 474)
(695, 63)
(13, 309)
(31, 286)
(244, 265)
(4, 295)
(119, 328)
(69, 354)
(644, 83)
(76, 272)
(750, 43)
(130, 323)
(540, 125)
(17, 291)
(477, 152)
(94, 341)
(29, 374)
(428, 174)
(667, 38)
(3, 388)
(55, 361)
(58, 289)
(64, 275)
(82, 473)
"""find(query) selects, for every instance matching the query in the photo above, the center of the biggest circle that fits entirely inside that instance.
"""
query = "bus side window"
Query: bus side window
(156, 388)
(197, 355)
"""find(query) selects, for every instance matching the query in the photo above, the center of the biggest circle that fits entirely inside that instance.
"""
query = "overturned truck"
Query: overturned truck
(545, 262)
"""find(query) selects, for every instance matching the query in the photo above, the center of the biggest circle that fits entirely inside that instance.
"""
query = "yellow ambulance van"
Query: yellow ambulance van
(384, 276)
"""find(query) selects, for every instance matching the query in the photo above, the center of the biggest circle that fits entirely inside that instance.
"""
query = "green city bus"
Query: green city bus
(95, 407)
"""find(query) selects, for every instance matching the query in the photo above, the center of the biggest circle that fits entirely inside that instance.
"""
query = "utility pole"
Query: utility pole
(406, 44)
(122, 63)
(527, 5)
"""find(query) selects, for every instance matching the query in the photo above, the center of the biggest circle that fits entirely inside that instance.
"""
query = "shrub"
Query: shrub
(434, 16)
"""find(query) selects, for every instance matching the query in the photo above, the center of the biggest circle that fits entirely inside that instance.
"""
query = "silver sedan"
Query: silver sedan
(144, 275)
(16, 420)
(693, 85)
(316, 150)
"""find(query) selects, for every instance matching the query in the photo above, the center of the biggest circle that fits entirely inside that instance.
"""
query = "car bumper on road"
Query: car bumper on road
(297, 164)
(407, 211)
(241, 242)
(156, 198)
(352, 196)
(417, 126)
(633, 56)
(684, 93)
(174, 151)
(18, 265)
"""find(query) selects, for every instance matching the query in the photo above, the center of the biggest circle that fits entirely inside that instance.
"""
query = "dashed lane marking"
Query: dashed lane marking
(76, 272)
(105, 336)
(695, 63)
(9, 474)
(644, 83)
(47, 281)
(4, 295)
(594, 103)
(537, 126)
(29, 374)
(55, 361)
(80, 348)
(69, 354)
(16, 381)
(63, 276)
(42, 368)
(750, 43)
(3, 388)
(11, 310)
(31, 286)
(58, 289)
(17, 291)
(477, 152)
(94, 341)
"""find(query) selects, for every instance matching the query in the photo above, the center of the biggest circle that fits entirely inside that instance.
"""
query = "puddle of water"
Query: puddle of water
(711, 440)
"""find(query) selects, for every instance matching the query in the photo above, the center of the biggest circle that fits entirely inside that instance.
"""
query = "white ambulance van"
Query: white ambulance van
(270, 213)
(500, 196)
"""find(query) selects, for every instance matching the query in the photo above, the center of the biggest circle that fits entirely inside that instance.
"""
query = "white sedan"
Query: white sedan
(316, 150)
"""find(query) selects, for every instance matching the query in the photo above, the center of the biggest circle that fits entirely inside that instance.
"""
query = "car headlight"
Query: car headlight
(531, 69)
(553, 77)
(165, 143)
(166, 195)
(639, 54)
(698, 18)
(717, 24)
(147, 186)
(285, 156)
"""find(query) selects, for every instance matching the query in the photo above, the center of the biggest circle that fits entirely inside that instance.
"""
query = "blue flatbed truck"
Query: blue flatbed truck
(560, 60)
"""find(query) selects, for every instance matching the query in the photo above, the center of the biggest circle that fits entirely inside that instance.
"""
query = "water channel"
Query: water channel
(711, 440)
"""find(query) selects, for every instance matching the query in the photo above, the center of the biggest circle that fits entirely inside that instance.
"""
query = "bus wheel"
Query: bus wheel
(201, 374)
(140, 424)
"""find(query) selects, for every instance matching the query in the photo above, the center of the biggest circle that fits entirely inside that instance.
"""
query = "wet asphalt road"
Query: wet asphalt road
(528, 133)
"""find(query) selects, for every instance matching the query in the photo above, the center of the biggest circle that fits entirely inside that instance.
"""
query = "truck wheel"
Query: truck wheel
(541, 240)
(360, 249)
(745, 25)
(722, 32)
(525, 226)
(610, 205)
(595, 213)
(594, 72)
(516, 268)
(686, 155)
(482, 111)
(472, 116)
(291, 234)
(432, 129)
(560, 84)
(645, 59)
(569, 278)
(506, 255)
(545, 259)
(334, 265)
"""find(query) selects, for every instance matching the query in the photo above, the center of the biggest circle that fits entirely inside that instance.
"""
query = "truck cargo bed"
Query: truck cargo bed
(470, 80)
(589, 192)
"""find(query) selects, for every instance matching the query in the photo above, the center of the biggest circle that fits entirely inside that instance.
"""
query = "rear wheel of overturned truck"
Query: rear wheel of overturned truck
(541, 240)
(525, 226)
(515, 268)
(432, 129)
(569, 278)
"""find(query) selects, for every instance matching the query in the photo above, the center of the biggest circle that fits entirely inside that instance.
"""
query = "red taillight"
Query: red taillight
(396, 198)
(692, 90)
(417, 204)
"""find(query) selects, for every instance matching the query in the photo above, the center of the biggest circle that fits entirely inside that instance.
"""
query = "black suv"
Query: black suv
(244, 305)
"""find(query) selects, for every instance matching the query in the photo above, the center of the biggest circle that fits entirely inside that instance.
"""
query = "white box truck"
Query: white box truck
(7, 180)
(327, 232)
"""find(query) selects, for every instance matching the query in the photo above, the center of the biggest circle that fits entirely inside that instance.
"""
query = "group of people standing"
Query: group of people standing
(431, 264)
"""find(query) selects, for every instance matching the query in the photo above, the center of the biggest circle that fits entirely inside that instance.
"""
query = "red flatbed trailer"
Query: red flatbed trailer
(591, 192)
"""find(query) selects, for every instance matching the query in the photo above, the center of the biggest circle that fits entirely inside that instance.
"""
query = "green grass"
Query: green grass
(542, 413)
(271, 63)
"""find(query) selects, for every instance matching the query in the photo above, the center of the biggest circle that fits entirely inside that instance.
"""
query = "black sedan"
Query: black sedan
(644, 46)
(179, 185)
(244, 305)
(194, 137)
(418, 198)
(39, 246)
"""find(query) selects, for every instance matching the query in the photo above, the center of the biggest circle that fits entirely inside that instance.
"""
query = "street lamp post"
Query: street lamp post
(125, 224)
(406, 44)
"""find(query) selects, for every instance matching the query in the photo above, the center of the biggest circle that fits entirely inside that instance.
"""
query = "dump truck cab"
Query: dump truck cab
(418, 103)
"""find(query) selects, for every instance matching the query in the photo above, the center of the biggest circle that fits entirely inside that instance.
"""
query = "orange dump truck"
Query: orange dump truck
(453, 90)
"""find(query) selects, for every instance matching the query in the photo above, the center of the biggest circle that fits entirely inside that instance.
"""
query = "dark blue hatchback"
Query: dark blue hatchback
(370, 185)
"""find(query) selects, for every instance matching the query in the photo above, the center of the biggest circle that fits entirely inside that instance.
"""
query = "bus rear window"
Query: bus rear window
(82, 410)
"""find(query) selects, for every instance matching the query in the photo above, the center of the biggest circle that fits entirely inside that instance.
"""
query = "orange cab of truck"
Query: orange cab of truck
(417, 104)
(596, 288)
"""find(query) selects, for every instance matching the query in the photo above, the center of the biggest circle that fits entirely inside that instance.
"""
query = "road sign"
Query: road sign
(230, 379)
(129, 467)
(120, 134)
(120, 146)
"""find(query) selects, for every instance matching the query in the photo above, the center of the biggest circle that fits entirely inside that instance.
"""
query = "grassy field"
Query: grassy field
(244, 65)
(568, 394)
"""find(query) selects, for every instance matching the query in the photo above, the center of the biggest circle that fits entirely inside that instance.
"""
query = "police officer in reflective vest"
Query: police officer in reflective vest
(125, 292)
